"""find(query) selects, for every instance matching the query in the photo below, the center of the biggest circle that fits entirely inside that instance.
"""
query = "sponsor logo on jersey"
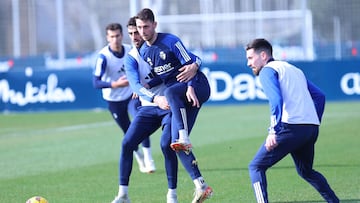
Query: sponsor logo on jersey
(163, 69)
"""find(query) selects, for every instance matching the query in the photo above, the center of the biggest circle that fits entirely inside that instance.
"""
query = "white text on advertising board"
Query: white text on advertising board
(241, 87)
(350, 84)
(44, 93)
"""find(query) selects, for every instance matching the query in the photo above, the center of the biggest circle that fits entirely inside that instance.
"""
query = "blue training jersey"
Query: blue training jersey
(166, 56)
(292, 98)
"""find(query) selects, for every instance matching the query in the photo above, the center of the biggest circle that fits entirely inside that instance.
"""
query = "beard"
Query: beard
(256, 71)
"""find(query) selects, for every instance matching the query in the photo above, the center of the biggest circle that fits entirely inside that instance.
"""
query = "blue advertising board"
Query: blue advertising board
(42, 90)
(31, 89)
(235, 83)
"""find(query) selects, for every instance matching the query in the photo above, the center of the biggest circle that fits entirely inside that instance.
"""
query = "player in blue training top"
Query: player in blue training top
(296, 108)
(151, 116)
(167, 55)
(109, 76)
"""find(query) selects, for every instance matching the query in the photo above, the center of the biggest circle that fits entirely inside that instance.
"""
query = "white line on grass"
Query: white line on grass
(57, 129)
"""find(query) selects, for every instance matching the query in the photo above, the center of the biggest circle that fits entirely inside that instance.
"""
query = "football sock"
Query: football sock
(199, 182)
(171, 191)
(183, 134)
(138, 157)
(147, 154)
(123, 189)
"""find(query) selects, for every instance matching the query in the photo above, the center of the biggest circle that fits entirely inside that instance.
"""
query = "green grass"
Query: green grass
(73, 157)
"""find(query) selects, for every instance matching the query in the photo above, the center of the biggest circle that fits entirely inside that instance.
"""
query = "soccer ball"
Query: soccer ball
(37, 199)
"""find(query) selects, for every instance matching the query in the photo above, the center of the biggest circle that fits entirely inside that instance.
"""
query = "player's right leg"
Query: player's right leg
(143, 125)
(119, 111)
(144, 156)
(263, 160)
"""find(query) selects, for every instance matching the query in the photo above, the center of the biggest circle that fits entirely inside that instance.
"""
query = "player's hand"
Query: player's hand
(146, 85)
(121, 82)
(161, 101)
(270, 143)
(134, 96)
(187, 72)
(191, 96)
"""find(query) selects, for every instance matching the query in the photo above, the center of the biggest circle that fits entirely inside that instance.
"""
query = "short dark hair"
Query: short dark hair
(146, 14)
(260, 45)
(114, 26)
(131, 22)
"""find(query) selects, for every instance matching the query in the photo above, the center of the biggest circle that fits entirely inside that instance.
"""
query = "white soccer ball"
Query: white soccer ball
(37, 199)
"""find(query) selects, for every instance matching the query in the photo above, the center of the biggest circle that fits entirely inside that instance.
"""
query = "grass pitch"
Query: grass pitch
(73, 157)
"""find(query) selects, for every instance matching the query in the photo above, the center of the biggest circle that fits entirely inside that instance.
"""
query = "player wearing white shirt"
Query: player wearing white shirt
(296, 108)
(109, 76)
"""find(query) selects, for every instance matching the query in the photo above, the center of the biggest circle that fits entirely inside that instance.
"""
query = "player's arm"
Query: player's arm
(189, 71)
(190, 62)
(318, 97)
(99, 71)
(271, 88)
(154, 82)
(190, 65)
(132, 73)
(100, 68)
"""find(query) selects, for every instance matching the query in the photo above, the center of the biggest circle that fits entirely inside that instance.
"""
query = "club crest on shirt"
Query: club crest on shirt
(148, 60)
(162, 55)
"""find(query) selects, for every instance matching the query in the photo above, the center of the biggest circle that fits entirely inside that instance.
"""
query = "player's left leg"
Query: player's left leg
(202, 87)
(175, 95)
(184, 114)
(304, 158)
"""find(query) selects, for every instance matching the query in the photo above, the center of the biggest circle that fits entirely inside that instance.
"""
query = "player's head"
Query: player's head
(133, 33)
(146, 14)
(114, 35)
(146, 24)
(258, 53)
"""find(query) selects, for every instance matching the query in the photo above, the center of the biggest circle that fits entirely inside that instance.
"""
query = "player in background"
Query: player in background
(151, 116)
(109, 76)
(167, 55)
(296, 108)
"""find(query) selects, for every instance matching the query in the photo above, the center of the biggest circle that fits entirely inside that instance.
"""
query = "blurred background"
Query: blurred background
(218, 30)
(49, 47)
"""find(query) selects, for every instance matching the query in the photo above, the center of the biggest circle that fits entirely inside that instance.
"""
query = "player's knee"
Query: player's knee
(128, 146)
(173, 91)
(252, 166)
(305, 174)
(168, 93)
(165, 146)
